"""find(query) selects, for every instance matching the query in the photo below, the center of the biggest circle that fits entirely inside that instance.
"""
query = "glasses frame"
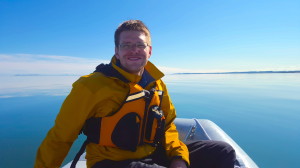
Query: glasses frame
(129, 46)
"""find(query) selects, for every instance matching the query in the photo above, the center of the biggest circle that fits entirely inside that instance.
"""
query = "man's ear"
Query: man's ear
(150, 51)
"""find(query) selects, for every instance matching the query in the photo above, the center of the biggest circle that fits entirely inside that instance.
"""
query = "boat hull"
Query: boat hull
(199, 129)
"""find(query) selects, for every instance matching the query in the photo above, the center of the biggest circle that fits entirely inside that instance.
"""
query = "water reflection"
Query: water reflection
(14, 86)
(259, 111)
(20, 86)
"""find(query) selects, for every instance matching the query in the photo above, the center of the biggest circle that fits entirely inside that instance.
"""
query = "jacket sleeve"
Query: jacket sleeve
(73, 113)
(174, 147)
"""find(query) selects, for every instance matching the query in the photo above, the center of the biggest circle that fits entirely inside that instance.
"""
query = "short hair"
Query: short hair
(132, 25)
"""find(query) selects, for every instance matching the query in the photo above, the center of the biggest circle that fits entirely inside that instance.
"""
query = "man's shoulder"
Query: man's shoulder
(91, 78)
(94, 81)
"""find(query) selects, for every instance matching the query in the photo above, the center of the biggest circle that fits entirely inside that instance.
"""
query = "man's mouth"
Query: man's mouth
(134, 58)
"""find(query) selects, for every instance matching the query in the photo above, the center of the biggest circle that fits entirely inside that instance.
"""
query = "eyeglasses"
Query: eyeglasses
(128, 46)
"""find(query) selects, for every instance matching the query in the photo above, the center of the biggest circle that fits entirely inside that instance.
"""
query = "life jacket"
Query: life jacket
(139, 121)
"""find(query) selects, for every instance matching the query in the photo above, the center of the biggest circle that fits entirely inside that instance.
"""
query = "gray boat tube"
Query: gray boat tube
(202, 129)
(199, 129)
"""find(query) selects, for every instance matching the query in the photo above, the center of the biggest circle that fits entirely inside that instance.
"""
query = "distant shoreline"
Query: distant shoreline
(46, 75)
(245, 72)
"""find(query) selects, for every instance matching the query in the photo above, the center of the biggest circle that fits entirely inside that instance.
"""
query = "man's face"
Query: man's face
(133, 51)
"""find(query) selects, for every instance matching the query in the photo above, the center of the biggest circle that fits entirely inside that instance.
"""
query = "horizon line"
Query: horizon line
(239, 72)
(180, 73)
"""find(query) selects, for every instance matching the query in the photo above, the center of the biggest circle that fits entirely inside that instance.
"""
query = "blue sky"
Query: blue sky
(73, 36)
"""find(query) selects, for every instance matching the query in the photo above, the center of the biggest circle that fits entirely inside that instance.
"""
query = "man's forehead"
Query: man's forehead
(133, 35)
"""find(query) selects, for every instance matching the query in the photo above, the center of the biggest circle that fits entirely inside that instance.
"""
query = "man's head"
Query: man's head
(132, 25)
(133, 46)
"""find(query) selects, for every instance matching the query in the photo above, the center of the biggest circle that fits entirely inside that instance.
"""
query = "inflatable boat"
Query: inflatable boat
(199, 129)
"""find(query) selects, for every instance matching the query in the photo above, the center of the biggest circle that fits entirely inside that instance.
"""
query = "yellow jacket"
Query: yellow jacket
(96, 95)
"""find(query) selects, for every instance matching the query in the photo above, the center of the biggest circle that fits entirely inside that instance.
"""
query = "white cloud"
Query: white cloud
(46, 64)
(11, 64)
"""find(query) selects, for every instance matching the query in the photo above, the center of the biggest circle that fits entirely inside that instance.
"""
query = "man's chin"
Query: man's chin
(137, 71)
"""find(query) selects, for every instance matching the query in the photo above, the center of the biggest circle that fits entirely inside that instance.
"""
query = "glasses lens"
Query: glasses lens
(129, 46)
(141, 45)
(125, 46)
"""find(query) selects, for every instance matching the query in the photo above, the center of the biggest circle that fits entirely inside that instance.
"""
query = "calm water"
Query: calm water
(261, 112)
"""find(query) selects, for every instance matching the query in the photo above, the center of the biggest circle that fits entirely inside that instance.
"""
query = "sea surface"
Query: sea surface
(261, 112)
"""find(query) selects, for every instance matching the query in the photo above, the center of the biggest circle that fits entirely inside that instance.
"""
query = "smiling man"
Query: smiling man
(133, 51)
(126, 113)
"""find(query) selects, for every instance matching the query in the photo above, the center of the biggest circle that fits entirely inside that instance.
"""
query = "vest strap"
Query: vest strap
(80, 152)
(135, 96)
